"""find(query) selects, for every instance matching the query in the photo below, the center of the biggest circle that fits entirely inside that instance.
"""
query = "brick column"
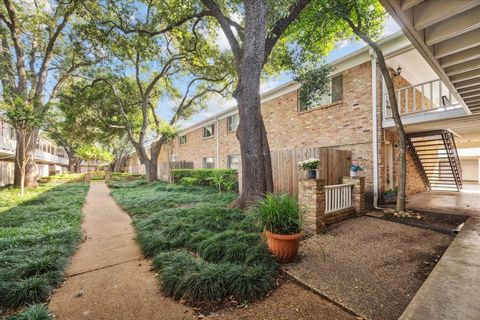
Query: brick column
(358, 193)
(88, 177)
(108, 176)
(311, 195)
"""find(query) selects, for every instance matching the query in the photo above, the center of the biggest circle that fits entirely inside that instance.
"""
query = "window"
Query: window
(232, 123)
(209, 131)
(333, 93)
(337, 88)
(183, 139)
(233, 161)
(208, 163)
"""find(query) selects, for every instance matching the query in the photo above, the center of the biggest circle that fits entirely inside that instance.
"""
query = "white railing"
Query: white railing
(7, 144)
(338, 197)
(427, 97)
(39, 154)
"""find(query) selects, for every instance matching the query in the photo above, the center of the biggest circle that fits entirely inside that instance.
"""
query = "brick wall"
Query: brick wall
(346, 125)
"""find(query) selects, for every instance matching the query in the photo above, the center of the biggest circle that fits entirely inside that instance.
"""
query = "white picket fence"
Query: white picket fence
(338, 197)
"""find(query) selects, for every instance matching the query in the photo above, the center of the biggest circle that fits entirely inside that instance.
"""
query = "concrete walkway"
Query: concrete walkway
(452, 289)
(108, 277)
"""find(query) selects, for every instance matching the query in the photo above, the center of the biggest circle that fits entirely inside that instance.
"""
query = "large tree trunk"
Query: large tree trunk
(25, 152)
(77, 168)
(72, 160)
(151, 170)
(151, 165)
(251, 133)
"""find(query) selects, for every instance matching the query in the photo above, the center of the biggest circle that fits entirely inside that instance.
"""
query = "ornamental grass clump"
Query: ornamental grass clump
(38, 233)
(280, 214)
(202, 250)
(282, 218)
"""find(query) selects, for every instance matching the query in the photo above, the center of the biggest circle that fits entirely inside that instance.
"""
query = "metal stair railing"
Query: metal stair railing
(418, 163)
(453, 158)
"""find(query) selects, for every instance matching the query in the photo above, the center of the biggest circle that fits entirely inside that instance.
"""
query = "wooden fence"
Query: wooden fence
(334, 165)
(164, 168)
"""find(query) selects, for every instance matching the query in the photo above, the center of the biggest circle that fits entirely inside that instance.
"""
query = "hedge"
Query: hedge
(225, 179)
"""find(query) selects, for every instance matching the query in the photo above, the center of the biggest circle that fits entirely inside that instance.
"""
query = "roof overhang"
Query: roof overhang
(446, 33)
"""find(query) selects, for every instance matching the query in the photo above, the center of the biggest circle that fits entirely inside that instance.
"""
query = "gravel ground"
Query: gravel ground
(288, 302)
(370, 266)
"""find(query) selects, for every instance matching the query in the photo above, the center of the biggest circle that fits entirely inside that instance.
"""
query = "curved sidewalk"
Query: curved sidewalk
(108, 277)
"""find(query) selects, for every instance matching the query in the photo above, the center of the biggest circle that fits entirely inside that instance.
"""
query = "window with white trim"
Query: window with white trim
(233, 161)
(208, 163)
(334, 93)
(183, 139)
(209, 131)
(232, 122)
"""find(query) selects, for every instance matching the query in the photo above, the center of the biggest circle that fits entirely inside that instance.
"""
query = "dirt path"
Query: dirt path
(108, 277)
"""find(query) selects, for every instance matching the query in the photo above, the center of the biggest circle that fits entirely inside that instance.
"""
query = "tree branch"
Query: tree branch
(19, 51)
(225, 24)
(42, 73)
(282, 25)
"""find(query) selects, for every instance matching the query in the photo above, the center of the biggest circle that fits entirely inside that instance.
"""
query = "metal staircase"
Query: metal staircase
(436, 158)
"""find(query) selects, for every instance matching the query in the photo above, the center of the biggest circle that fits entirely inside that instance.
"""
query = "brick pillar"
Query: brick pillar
(358, 193)
(108, 176)
(88, 177)
(311, 195)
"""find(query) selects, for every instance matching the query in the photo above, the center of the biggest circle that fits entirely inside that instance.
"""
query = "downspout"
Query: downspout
(374, 130)
(217, 156)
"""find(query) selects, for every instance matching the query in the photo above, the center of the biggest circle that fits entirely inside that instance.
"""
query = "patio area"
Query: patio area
(466, 202)
(369, 266)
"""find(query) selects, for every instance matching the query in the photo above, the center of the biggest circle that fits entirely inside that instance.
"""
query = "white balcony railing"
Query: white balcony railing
(7, 144)
(338, 197)
(424, 98)
(42, 155)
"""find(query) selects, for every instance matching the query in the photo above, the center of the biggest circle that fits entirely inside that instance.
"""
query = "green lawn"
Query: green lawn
(202, 250)
(37, 236)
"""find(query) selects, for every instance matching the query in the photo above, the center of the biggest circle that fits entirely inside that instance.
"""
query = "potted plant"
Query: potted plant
(355, 169)
(311, 166)
(282, 219)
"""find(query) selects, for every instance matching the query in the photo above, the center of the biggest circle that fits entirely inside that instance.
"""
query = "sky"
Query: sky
(217, 104)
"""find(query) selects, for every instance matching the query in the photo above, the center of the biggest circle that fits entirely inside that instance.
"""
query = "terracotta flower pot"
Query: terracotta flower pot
(283, 246)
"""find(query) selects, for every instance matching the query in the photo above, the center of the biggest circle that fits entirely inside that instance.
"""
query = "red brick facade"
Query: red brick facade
(346, 125)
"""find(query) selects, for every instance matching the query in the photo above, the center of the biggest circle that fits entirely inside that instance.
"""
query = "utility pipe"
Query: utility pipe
(374, 130)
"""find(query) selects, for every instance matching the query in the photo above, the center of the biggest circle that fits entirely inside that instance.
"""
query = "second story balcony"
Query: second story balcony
(8, 145)
(423, 102)
(421, 96)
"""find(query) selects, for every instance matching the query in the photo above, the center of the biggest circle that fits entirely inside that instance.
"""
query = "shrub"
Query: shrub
(37, 235)
(280, 213)
(189, 181)
(33, 312)
(224, 179)
(203, 251)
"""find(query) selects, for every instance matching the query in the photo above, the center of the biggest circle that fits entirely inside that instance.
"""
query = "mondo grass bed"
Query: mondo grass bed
(203, 251)
(38, 233)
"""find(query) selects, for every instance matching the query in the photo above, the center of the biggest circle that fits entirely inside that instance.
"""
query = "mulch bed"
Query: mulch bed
(370, 266)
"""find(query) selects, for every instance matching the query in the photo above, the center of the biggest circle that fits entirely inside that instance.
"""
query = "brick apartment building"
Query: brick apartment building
(353, 117)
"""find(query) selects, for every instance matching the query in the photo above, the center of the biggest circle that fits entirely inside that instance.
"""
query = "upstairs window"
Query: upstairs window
(183, 139)
(209, 131)
(208, 163)
(232, 123)
(331, 93)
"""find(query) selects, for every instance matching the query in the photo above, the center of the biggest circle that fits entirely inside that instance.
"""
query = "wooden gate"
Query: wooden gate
(334, 165)
(164, 168)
